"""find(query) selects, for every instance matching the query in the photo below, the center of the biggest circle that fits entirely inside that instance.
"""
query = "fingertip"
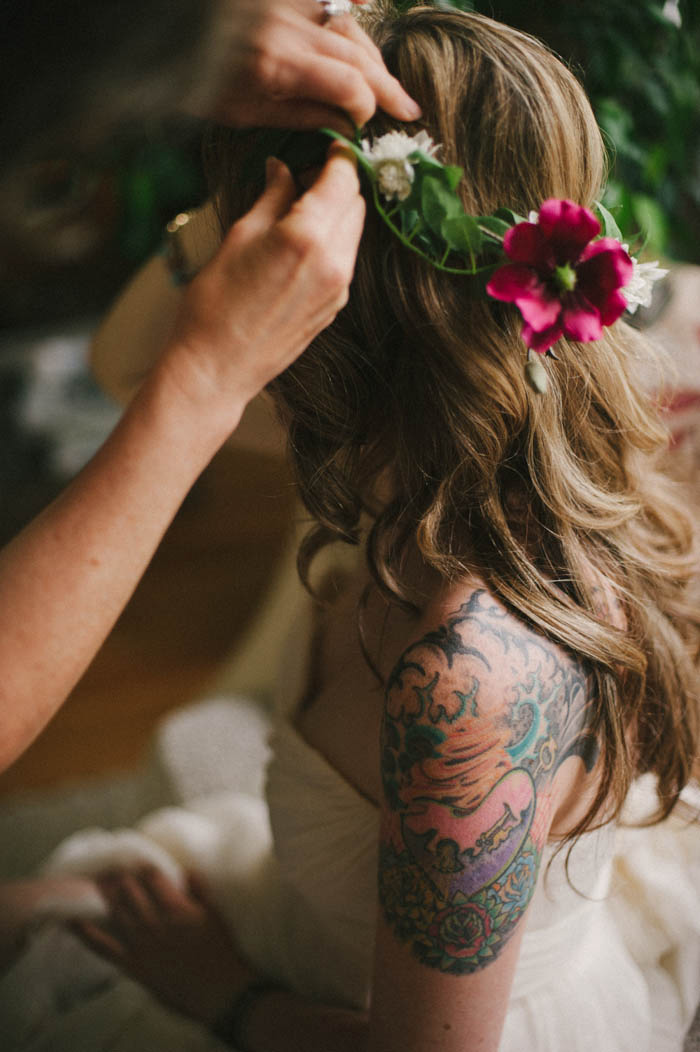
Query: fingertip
(401, 105)
(274, 170)
(412, 110)
(276, 200)
(270, 169)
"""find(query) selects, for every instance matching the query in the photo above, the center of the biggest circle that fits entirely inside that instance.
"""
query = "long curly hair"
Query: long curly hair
(552, 500)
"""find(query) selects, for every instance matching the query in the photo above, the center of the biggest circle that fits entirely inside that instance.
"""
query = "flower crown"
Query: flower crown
(564, 267)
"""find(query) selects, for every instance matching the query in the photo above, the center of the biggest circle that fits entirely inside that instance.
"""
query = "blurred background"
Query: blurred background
(93, 224)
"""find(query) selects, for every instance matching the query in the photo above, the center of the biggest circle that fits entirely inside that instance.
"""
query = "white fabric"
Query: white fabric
(610, 961)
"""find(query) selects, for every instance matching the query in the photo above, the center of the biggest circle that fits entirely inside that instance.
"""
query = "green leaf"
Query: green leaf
(618, 124)
(656, 164)
(618, 199)
(409, 218)
(651, 221)
(607, 222)
(424, 160)
(462, 234)
(438, 203)
(450, 175)
(453, 175)
(509, 216)
(496, 226)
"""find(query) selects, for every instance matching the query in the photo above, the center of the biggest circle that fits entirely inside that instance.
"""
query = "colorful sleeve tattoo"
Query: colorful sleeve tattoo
(479, 715)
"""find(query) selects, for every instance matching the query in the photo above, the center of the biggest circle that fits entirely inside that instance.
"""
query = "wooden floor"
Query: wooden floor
(193, 603)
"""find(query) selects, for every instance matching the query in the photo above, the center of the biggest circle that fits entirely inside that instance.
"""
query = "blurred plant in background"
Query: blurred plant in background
(154, 180)
(84, 224)
(639, 61)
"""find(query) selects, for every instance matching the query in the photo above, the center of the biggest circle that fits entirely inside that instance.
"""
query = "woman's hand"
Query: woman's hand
(280, 277)
(300, 74)
(172, 942)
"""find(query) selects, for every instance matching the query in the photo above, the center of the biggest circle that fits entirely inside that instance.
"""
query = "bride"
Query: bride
(508, 650)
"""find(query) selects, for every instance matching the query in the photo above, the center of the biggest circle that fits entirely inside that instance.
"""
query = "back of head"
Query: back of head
(422, 375)
(419, 385)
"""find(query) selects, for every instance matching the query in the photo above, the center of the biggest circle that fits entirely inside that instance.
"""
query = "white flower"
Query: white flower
(639, 291)
(389, 156)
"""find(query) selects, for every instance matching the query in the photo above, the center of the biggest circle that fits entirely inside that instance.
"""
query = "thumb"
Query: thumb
(278, 197)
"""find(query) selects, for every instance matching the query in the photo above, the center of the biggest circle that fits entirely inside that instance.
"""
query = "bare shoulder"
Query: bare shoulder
(480, 712)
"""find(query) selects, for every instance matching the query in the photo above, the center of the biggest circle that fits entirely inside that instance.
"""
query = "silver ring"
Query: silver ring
(330, 8)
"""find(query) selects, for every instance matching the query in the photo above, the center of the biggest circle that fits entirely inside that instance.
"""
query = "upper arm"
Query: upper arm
(472, 731)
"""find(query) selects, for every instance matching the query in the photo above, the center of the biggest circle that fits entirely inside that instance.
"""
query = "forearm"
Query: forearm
(65, 579)
(280, 276)
(285, 1022)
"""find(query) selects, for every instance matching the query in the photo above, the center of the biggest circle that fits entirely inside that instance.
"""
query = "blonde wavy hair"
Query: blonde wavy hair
(552, 500)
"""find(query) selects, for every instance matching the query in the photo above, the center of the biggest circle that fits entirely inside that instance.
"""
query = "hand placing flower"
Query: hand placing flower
(563, 281)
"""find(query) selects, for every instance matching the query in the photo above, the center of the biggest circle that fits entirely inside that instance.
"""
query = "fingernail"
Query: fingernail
(272, 167)
(413, 109)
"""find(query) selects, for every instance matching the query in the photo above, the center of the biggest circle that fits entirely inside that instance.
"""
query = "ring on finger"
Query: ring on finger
(329, 8)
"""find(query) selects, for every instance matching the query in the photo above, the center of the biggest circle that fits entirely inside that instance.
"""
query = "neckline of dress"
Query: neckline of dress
(287, 722)
(287, 715)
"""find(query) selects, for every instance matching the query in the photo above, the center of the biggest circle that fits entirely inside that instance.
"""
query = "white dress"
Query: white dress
(610, 961)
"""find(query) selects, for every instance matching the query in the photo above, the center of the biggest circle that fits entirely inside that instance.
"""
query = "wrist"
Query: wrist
(189, 401)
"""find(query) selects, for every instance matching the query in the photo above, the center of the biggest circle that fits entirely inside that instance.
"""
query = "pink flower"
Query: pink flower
(563, 281)
(461, 930)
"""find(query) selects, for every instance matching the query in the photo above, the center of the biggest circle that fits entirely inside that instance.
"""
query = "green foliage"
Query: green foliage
(462, 234)
(438, 204)
(642, 73)
(430, 218)
(154, 180)
(609, 227)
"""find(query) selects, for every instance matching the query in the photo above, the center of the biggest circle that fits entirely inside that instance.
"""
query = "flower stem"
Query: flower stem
(433, 260)
(417, 227)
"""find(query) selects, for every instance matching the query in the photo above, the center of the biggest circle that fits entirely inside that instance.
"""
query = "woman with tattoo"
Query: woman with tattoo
(506, 662)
